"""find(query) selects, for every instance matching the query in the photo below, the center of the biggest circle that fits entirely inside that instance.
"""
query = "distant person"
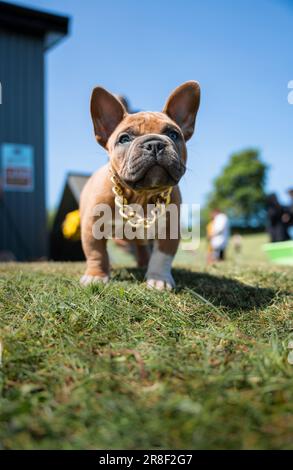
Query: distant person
(220, 234)
(290, 208)
(290, 213)
(278, 219)
(209, 233)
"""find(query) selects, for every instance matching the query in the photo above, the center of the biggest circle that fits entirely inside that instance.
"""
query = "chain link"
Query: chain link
(128, 213)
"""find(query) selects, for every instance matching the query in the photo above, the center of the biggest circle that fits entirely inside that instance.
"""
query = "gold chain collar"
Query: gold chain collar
(128, 213)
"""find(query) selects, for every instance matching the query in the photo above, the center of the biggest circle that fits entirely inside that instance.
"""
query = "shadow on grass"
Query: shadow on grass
(220, 290)
(224, 291)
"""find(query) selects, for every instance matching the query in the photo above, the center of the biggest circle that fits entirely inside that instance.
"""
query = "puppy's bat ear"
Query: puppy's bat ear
(182, 106)
(107, 112)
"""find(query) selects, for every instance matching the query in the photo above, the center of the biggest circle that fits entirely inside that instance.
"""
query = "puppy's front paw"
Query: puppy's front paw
(161, 284)
(159, 275)
(87, 279)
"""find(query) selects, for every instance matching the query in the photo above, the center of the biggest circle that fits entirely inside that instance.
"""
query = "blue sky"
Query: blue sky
(240, 52)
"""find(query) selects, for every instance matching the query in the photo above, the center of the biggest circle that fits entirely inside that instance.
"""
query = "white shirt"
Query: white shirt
(220, 232)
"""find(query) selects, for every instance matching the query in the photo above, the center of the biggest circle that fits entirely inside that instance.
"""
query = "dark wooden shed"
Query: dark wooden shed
(62, 249)
(25, 36)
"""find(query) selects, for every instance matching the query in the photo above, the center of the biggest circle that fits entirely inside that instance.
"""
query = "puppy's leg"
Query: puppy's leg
(97, 259)
(159, 274)
(143, 254)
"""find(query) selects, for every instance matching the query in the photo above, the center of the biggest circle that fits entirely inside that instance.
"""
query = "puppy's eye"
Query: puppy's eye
(124, 139)
(174, 135)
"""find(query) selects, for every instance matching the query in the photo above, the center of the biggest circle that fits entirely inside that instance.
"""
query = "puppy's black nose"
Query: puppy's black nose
(154, 146)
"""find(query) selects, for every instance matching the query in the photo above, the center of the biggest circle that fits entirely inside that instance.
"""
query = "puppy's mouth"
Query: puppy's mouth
(156, 177)
(152, 162)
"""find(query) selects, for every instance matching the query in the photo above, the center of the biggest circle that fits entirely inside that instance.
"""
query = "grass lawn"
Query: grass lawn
(119, 366)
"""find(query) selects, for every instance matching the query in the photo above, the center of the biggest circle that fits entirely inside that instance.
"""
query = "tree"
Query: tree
(240, 189)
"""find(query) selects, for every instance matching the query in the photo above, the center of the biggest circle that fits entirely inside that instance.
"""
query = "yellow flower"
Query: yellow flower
(71, 225)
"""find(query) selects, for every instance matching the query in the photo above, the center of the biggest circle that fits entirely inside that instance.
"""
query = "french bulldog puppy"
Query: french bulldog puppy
(147, 155)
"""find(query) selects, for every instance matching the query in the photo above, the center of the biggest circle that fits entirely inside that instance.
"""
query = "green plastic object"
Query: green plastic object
(280, 252)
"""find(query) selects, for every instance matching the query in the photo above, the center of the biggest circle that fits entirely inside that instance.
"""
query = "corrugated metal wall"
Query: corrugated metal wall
(23, 222)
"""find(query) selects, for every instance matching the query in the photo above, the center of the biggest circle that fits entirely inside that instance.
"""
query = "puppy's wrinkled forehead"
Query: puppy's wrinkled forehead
(143, 123)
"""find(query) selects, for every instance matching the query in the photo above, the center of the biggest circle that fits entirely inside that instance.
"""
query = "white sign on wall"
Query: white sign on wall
(17, 162)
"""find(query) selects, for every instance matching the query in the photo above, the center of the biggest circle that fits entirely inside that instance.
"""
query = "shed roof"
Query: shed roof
(34, 22)
(70, 197)
(76, 182)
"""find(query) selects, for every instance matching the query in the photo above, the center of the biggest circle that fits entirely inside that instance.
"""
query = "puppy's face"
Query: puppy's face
(147, 150)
